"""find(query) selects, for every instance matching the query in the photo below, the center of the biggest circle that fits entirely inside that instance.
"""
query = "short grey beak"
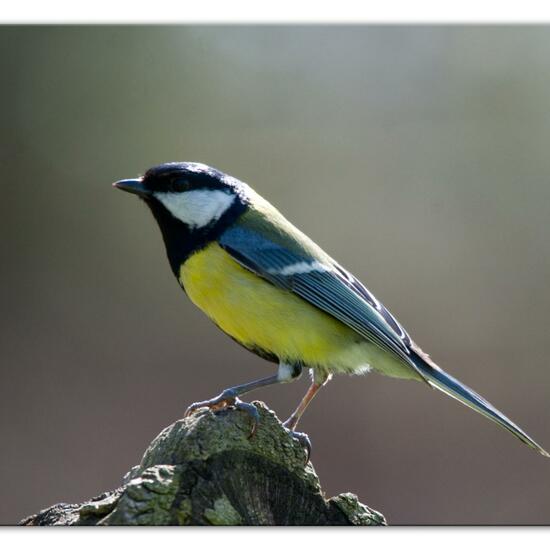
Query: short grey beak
(134, 186)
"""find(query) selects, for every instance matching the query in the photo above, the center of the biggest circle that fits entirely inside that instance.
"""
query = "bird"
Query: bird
(278, 294)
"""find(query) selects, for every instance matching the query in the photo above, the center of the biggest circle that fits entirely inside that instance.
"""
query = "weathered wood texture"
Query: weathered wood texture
(204, 470)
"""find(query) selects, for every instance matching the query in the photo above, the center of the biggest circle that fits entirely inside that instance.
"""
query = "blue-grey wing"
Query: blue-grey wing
(320, 282)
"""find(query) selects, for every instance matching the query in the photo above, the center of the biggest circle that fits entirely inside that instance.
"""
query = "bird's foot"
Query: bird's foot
(303, 439)
(228, 399)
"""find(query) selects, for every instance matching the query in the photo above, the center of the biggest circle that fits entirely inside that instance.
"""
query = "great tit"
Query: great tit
(277, 293)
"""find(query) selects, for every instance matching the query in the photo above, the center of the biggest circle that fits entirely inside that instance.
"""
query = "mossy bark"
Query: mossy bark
(205, 470)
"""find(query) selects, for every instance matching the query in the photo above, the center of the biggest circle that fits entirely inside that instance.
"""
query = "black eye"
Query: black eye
(176, 185)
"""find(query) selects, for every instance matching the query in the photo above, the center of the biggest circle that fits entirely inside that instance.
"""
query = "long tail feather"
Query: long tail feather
(456, 389)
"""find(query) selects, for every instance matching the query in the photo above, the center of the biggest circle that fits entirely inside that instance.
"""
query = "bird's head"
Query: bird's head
(196, 195)
(192, 203)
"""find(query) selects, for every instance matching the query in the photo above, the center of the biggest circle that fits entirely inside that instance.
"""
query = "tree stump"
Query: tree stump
(206, 470)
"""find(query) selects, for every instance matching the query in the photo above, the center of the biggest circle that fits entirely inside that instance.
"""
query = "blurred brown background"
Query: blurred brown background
(417, 156)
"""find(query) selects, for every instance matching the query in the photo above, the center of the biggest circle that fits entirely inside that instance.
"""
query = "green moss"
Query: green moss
(183, 513)
(222, 513)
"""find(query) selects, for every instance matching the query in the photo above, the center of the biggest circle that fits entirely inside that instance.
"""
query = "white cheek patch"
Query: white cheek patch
(300, 267)
(197, 208)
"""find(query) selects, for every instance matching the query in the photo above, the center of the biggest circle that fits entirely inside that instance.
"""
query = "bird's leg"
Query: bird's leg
(230, 396)
(316, 385)
(294, 418)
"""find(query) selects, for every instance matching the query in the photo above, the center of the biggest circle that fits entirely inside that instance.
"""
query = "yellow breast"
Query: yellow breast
(256, 313)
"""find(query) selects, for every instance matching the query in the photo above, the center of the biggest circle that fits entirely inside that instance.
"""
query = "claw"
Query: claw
(208, 404)
(252, 411)
(304, 440)
(223, 401)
